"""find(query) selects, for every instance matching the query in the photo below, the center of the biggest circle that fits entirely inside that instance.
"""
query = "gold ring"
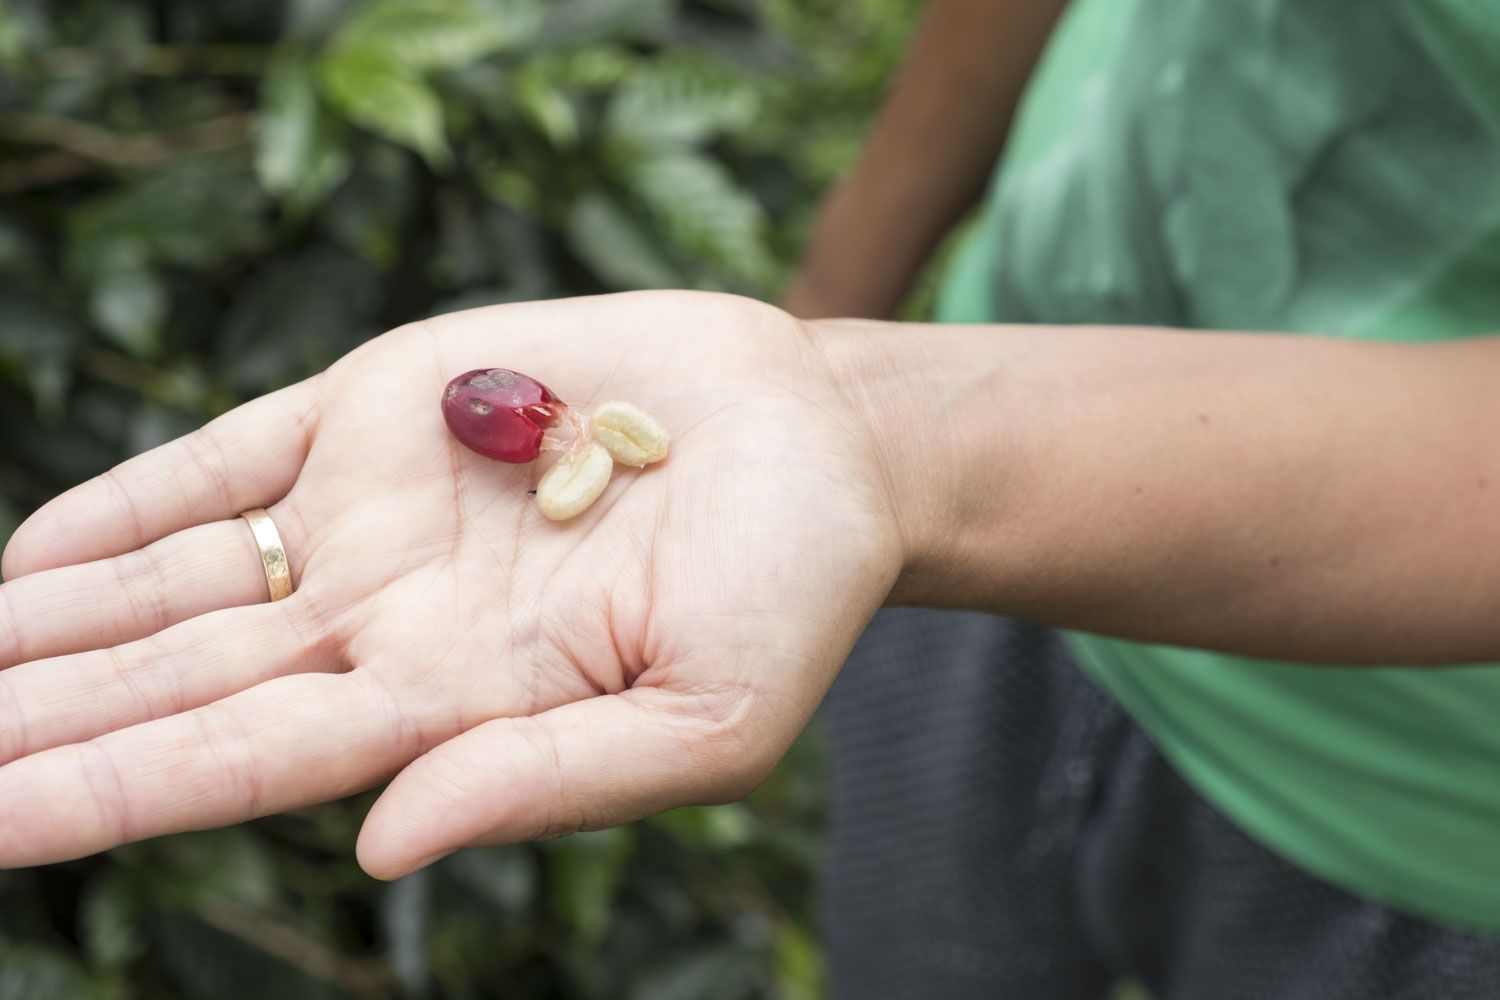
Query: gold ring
(272, 554)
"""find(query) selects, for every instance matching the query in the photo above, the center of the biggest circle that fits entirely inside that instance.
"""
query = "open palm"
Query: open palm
(521, 678)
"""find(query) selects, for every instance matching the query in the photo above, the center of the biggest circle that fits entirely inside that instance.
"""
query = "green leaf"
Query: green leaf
(10, 520)
(296, 317)
(31, 972)
(312, 19)
(369, 212)
(799, 964)
(298, 154)
(591, 69)
(614, 246)
(64, 447)
(109, 919)
(424, 35)
(155, 424)
(387, 97)
(12, 36)
(128, 300)
(524, 248)
(376, 68)
(504, 877)
(573, 23)
(548, 109)
(586, 871)
(718, 828)
(510, 186)
(406, 915)
(674, 103)
(206, 961)
(722, 971)
(39, 339)
(21, 252)
(194, 214)
(704, 214)
(232, 863)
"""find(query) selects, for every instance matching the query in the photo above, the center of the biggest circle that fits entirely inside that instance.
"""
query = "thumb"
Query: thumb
(582, 766)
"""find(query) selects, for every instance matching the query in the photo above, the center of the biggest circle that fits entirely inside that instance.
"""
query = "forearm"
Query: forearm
(1293, 497)
(927, 157)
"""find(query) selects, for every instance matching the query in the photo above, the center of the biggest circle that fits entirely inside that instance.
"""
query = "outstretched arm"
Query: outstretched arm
(515, 677)
(1292, 497)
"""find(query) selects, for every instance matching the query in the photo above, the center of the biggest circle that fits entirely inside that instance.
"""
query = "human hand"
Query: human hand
(520, 678)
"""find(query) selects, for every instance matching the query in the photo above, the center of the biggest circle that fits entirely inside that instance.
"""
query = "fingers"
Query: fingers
(99, 604)
(284, 744)
(69, 699)
(247, 458)
(585, 765)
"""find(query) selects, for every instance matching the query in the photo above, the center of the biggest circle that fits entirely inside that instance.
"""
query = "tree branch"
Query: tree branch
(155, 60)
(121, 149)
(359, 978)
(42, 170)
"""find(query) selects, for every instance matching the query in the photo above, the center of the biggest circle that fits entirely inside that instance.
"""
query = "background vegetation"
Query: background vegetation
(200, 202)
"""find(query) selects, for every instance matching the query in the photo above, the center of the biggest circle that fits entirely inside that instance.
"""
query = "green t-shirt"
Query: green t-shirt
(1328, 166)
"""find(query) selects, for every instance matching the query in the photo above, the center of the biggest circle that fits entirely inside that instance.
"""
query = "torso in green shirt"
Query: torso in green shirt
(1321, 166)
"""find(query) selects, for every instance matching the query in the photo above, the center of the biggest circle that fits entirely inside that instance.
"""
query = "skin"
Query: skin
(1282, 496)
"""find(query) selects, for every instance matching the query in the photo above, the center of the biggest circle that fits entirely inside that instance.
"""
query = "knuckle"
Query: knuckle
(106, 791)
(143, 582)
(210, 462)
(113, 480)
(13, 738)
(12, 644)
(122, 670)
(545, 755)
(555, 812)
(233, 752)
(409, 729)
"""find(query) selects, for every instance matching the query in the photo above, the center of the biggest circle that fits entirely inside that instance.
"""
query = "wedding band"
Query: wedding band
(272, 554)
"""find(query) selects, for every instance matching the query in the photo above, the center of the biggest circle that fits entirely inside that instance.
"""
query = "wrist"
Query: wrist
(927, 401)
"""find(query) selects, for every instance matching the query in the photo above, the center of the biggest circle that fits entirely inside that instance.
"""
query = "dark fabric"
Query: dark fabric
(1000, 828)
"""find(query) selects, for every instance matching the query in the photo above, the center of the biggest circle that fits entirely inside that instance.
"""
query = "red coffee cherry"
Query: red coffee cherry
(500, 414)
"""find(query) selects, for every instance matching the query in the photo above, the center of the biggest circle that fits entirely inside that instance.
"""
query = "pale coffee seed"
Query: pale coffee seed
(572, 485)
(630, 434)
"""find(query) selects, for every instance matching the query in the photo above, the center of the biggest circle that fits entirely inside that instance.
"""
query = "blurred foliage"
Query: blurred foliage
(201, 202)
